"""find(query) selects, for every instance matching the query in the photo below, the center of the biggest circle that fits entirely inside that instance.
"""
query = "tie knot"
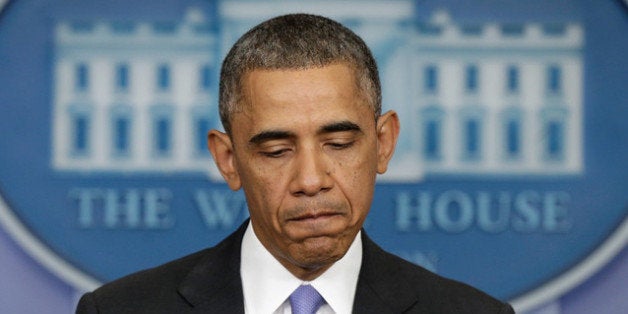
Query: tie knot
(305, 300)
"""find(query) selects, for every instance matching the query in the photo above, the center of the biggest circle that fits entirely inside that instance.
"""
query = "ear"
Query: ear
(221, 147)
(387, 135)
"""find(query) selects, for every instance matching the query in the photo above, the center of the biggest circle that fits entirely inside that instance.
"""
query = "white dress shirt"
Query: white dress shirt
(267, 284)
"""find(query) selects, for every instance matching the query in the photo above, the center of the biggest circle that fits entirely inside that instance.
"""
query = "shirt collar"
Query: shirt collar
(267, 284)
(337, 285)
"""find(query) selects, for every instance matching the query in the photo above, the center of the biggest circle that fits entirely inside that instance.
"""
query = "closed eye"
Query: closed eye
(275, 153)
(341, 145)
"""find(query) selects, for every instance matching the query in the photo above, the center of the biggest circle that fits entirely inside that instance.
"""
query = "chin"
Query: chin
(320, 251)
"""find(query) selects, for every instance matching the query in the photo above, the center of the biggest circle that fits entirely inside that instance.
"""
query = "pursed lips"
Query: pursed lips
(316, 212)
(315, 215)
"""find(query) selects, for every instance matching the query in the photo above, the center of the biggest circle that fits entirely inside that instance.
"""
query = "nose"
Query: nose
(312, 173)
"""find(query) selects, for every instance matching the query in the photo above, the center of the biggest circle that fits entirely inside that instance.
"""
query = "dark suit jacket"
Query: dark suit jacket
(209, 282)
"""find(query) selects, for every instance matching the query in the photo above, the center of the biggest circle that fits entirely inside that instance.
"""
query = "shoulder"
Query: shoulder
(392, 278)
(171, 287)
(138, 292)
(161, 276)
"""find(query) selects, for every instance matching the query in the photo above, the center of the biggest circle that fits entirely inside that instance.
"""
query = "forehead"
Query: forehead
(300, 101)
(301, 91)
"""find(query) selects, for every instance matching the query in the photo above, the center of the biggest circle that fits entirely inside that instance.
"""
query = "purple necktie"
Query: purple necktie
(305, 300)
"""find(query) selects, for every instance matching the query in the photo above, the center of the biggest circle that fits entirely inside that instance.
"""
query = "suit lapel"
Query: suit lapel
(214, 284)
(368, 300)
(380, 284)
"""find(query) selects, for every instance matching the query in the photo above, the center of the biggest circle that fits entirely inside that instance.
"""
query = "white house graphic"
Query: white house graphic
(492, 99)
(474, 99)
(134, 96)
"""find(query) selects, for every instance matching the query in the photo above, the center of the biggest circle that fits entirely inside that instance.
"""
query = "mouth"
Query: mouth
(314, 216)
(312, 223)
(318, 217)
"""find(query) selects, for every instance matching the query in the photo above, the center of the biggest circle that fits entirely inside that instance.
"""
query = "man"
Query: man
(300, 102)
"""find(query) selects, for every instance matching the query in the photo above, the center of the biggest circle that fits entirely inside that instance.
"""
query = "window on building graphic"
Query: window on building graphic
(162, 119)
(206, 77)
(554, 29)
(512, 132)
(554, 118)
(430, 79)
(122, 77)
(202, 127)
(163, 136)
(554, 79)
(123, 27)
(201, 117)
(163, 77)
(429, 29)
(121, 130)
(512, 79)
(81, 77)
(472, 138)
(432, 139)
(432, 132)
(512, 29)
(80, 132)
(164, 27)
(513, 138)
(122, 135)
(471, 78)
(554, 132)
(471, 30)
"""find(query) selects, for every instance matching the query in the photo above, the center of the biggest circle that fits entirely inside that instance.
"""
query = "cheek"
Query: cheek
(264, 194)
(357, 185)
(361, 171)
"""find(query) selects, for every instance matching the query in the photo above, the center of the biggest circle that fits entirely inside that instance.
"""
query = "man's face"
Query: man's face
(306, 150)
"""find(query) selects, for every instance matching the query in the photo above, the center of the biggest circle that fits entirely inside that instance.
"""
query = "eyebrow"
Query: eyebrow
(268, 135)
(342, 126)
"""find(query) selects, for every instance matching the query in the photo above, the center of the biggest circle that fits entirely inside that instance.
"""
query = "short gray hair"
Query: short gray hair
(296, 41)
